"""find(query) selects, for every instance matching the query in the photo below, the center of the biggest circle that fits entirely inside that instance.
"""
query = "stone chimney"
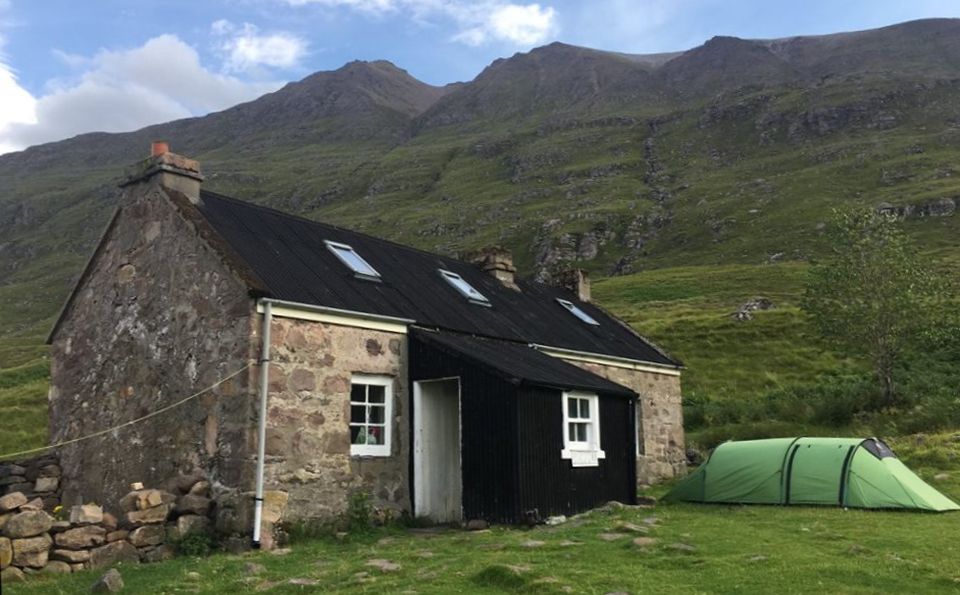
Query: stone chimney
(577, 281)
(496, 261)
(170, 170)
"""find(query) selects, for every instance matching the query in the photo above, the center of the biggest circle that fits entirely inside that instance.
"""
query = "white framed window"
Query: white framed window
(581, 429)
(577, 311)
(371, 415)
(460, 284)
(353, 261)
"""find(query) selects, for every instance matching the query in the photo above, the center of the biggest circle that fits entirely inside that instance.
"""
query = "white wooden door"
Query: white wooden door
(437, 478)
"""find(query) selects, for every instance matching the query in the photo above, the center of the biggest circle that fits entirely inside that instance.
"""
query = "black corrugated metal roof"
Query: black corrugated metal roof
(519, 363)
(288, 255)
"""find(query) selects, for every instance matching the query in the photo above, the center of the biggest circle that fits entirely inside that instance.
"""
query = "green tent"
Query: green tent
(853, 472)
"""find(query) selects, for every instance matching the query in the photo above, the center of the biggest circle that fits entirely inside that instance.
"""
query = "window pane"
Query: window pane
(358, 393)
(375, 414)
(374, 435)
(354, 261)
(571, 408)
(572, 432)
(581, 432)
(585, 408)
(376, 393)
(463, 286)
(357, 414)
(357, 434)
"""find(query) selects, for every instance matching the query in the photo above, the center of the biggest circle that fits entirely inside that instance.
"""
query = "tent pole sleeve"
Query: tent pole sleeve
(845, 473)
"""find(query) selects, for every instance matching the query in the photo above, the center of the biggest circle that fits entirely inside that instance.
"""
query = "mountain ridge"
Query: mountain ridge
(732, 151)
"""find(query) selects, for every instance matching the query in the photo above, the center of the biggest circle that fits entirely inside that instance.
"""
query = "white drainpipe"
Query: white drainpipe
(262, 423)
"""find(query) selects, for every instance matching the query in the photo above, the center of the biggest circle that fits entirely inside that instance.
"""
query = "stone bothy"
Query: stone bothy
(440, 388)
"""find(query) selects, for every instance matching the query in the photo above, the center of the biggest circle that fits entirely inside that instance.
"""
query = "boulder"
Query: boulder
(150, 516)
(117, 535)
(477, 525)
(46, 484)
(109, 522)
(81, 537)
(110, 582)
(28, 523)
(71, 556)
(148, 499)
(185, 482)
(6, 552)
(191, 523)
(8, 469)
(193, 504)
(35, 504)
(201, 488)
(147, 535)
(12, 501)
(57, 567)
(4, 518)
(10, 575)
(60, 526)
(51, 470)
(24, 486)
(86, 514)
(113, 553)
(158, 554)
(32, 552)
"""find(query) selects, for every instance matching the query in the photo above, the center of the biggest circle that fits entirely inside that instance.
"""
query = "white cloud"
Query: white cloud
(124, 90)
(515, 23)
(19, 106)
(245, 49)
(477, 22)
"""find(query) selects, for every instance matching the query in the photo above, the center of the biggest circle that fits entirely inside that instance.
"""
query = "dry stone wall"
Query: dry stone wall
(36, 478)
(659, 417)
(310, 472)
(152, 521)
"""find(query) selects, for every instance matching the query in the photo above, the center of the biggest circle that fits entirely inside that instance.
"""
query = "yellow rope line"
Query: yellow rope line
(12, 455)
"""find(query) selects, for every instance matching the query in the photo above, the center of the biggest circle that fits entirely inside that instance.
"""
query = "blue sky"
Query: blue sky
(68, 67)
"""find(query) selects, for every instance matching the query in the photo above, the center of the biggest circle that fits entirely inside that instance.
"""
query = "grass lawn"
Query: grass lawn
(735, 549)
(715, 549)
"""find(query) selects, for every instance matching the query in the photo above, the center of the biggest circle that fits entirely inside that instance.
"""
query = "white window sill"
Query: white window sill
(583, 457)
(368, 451)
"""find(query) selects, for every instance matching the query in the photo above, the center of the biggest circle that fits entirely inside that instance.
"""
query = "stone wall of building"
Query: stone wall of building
(159, 316)
(659, 418)
(308, 462)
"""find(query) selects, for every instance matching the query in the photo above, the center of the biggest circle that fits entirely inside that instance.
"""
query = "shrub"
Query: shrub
(195, 544)
(359, 512)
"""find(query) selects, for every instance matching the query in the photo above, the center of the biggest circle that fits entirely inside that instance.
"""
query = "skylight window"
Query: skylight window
(348, 256)
(468, 291)
(576, 311)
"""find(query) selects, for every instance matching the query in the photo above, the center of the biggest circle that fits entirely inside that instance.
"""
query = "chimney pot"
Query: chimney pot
(159, 147)
(496, 261)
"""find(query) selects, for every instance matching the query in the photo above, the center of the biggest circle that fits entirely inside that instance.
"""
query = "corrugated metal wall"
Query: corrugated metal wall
(548, 483)
(511, 443)
(488, 431)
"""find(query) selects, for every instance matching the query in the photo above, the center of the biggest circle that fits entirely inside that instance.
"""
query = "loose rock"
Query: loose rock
(531, 543)
(477, 525)
(159, 553)
(384, 565)
(150, 516)
(644, 541)
(31, 551)
(110, 582)
(71, 556)
(682, 547)
(57, 567)
(113, 553)
(46, 484)
(11, 574)
(611, 536)
(12, 501)
(86, 514)
(192, 504)
(28, 523)
(81, 537)
(147, 535)
(6, 552)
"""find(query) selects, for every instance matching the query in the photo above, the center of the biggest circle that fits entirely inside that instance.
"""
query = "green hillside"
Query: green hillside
(687, 183)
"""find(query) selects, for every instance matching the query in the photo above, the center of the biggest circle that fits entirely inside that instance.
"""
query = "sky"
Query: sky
(69, 67)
